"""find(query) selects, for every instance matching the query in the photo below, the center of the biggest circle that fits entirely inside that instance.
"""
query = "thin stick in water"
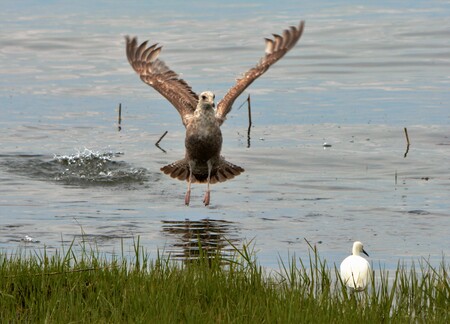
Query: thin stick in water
(120, 118)
(249, 118)
(249, 121)
(407, 137)
(407, 143)
(157, 143)
(162, 136)
(249, 114)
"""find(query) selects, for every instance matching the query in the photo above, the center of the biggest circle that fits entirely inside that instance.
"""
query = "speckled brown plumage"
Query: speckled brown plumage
(203, 162)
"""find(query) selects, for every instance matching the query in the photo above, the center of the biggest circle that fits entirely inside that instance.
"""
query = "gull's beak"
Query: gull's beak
(364, 252)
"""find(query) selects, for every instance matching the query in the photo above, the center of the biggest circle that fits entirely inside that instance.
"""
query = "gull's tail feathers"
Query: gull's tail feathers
(221, 172)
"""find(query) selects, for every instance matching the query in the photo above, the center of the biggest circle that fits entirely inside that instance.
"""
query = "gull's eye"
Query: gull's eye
(204, 97)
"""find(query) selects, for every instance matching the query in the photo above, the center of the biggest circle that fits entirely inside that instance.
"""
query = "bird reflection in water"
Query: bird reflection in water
(207, 237)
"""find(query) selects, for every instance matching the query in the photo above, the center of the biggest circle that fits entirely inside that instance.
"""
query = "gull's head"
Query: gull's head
(206, 100)
(358, 248)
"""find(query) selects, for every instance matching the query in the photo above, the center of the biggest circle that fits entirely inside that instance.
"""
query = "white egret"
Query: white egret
(355, 270)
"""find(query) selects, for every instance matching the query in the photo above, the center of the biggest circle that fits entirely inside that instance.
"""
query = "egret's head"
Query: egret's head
(358, 247)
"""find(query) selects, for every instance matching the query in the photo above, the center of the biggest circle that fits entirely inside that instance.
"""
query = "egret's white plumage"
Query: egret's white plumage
(355, 270)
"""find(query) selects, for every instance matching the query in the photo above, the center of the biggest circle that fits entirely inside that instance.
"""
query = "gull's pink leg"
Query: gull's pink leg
(207, 198)
(187, 198)
(207, 193)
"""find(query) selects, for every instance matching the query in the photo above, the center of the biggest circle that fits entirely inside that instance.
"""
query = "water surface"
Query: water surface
(358, 76)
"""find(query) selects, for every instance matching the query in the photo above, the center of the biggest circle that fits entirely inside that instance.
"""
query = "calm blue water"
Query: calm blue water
(359, 75)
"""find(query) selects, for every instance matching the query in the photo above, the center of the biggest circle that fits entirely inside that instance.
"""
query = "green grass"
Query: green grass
(88, 287)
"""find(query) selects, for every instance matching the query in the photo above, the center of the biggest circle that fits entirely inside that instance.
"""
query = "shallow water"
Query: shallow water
(358, 76)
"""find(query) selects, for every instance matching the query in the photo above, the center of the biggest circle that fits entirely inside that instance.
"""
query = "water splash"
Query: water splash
(84, 168)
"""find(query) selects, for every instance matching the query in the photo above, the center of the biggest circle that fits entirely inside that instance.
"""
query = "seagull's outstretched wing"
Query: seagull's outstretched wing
(275, 50)
(156, 74)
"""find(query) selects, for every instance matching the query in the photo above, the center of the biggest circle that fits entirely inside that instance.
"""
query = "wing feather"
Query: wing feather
(278, 41)
(269, 45)
(286, 38)
(157, 74)
(275, 50)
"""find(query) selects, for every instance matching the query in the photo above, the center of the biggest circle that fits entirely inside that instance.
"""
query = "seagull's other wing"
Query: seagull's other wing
(156, 74)
(275, 50)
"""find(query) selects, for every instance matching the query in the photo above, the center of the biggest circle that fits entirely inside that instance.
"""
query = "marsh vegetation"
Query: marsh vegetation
(87, 286)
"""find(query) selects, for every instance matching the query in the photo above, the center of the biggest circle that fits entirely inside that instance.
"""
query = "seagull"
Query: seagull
(355, 270)
(202, 162)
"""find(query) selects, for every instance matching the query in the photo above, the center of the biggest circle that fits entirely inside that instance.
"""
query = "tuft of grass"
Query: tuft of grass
(88, 287)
